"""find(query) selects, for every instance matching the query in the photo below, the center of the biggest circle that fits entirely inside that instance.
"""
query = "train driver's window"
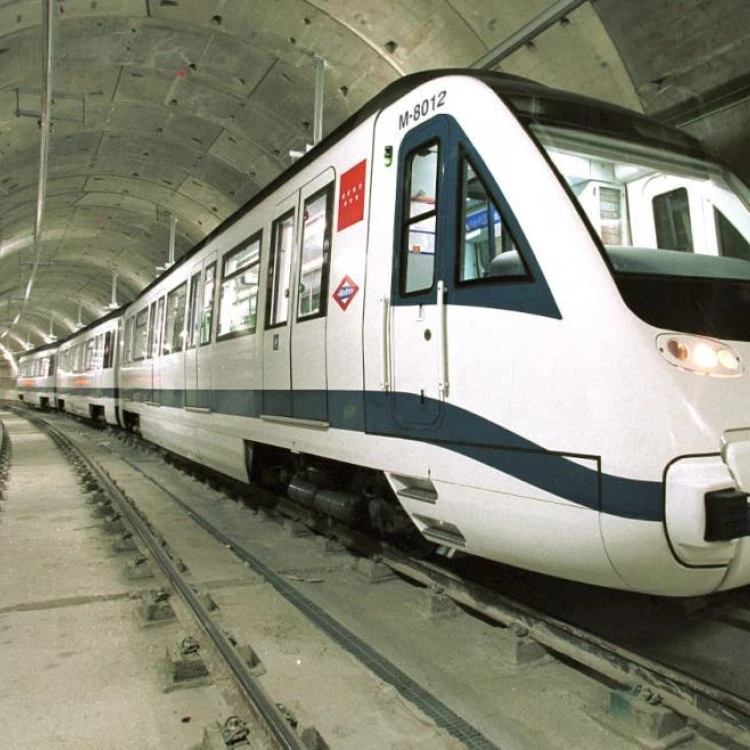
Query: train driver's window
(420, 219)
(238, 297)
(279, 270)
(207, 310)
(316, 253)
(487, 250)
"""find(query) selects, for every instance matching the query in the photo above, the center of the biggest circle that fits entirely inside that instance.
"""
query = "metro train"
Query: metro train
(514, 319)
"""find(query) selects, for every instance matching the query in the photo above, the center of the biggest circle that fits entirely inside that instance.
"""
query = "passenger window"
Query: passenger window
(193, 310)
(98, 351)
(127, 347)
(420, 220)
(279, 268)
(238, 299)
(672, 219)
(174, 331)
(153, 331)
(487, 249)
(139, 335)
(88, 364)
(156, 326)
(207, 310)
(107, 363)
(316, 254)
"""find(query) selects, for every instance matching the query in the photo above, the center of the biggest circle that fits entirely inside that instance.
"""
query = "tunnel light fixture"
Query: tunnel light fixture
(700, 355)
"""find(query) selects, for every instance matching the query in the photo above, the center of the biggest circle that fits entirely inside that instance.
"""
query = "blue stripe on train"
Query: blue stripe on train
(457, 429)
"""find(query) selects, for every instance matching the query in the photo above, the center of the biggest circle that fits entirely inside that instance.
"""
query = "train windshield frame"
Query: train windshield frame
(672, 225)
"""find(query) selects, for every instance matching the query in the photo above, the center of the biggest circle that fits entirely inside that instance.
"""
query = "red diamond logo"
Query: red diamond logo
(345, 292)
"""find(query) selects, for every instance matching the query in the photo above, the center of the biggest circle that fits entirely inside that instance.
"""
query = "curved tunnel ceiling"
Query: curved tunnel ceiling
(184, 109)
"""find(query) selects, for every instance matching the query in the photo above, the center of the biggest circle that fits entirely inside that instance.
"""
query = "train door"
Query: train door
(277, 371)
(192, 396)
(308, 322)
(672, 215)
(198, 334)
(417, 303)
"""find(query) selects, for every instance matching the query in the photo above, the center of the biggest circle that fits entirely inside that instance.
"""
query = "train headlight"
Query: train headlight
(700, 355)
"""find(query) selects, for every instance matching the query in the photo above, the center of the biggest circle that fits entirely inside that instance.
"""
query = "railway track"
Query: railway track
(650, 701)
(274, 723)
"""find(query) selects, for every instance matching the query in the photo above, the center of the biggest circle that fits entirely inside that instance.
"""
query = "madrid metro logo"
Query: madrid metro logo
(345, 292)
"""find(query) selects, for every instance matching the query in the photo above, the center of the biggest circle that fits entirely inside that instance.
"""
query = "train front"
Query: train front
(673, 228)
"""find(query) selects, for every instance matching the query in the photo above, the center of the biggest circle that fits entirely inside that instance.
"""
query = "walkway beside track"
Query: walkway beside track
(77, 670)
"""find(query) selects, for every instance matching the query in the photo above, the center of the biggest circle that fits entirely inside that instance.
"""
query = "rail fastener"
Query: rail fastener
(155, 608)
(638, 714)
(184, 666)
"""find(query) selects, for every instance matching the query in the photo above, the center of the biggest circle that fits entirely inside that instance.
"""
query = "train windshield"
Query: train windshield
(675, 229)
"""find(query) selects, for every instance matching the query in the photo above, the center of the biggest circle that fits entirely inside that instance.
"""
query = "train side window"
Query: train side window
(96, 364)
(77, 358)
(316, 255)
(279, 269)
(140, 340)
(486, 247)
(157, 325)
(207, 309)
(107, 355)
(152, 331)
(127, 346)
(672, 218)
(420, 219)
(193, 311)
(174, 331)
(238, 297)
(88, 357)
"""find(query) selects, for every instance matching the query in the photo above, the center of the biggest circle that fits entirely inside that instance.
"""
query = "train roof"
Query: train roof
(51, 347)
(59, 342)
(532, 101)
(93, 324)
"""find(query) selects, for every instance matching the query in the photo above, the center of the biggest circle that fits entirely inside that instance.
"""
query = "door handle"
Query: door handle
(386, 384)
(444, 383)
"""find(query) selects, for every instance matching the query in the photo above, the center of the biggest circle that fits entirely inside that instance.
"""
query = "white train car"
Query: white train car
(36, 376)
(527, 311)
(86, 374)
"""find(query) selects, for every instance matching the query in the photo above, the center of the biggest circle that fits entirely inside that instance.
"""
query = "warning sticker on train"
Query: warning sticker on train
(345, 292)
(352, 195)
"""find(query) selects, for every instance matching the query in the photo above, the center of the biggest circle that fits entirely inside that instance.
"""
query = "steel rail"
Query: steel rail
(275, 722)
(710, 706)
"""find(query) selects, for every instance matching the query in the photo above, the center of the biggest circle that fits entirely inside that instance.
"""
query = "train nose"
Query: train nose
(706, 504)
